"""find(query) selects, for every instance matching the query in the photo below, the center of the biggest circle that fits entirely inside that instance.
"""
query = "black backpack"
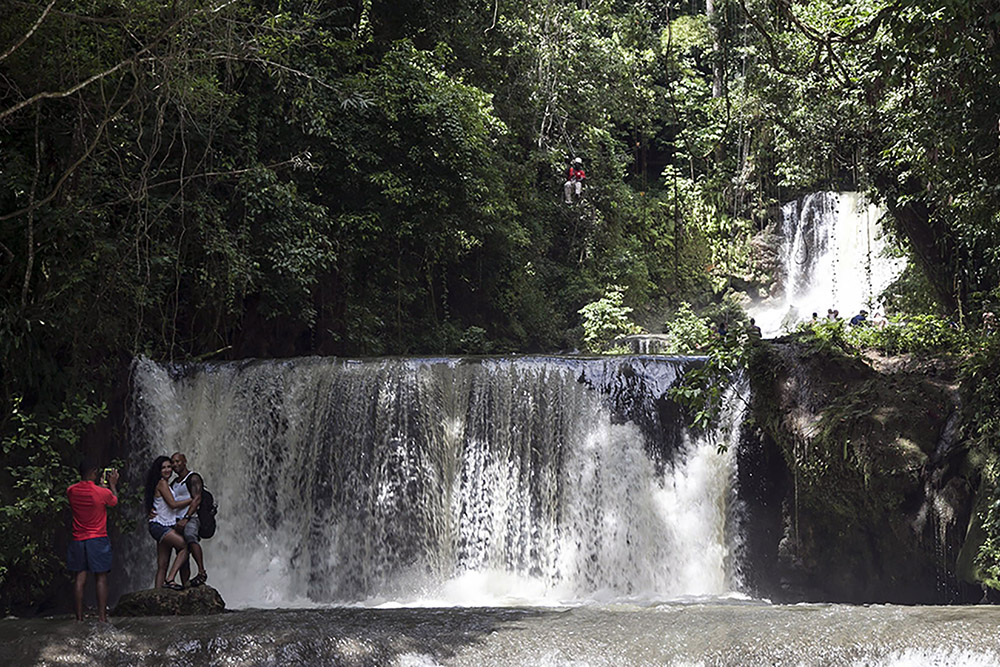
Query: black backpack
(206, 513)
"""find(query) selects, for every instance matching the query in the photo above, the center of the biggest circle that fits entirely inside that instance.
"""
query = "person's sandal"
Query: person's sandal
(199, 579)
(172, 586)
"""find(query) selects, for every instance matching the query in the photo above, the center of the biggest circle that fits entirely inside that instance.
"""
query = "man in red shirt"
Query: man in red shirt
(90, 549)
(574, 183)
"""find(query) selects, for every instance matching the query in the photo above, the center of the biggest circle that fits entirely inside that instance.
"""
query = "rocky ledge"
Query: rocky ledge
(860, 487)
(195, 601)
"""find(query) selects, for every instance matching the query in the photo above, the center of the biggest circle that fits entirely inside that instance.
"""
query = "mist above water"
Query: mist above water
(833, 255)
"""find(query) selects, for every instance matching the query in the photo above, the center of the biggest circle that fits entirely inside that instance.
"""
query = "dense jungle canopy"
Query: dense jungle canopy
(217, 179)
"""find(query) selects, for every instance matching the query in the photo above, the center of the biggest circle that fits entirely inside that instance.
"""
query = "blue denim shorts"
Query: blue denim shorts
(93, 555)
(158, 530)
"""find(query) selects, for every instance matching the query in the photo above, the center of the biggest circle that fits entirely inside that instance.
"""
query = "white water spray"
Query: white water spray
(444, 482)
(833, 255)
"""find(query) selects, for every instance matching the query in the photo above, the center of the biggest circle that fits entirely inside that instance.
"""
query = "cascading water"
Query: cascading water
(832, 255)
(442, 481)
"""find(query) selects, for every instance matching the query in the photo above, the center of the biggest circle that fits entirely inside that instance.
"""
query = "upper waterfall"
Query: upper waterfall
(832, 255)
(445, 481)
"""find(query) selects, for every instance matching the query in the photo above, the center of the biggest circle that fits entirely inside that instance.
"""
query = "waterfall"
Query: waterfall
(833, 254)
(444, 481)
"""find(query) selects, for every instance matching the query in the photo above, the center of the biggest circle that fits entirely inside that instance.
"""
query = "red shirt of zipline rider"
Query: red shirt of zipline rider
(89, 503)
(576, 174)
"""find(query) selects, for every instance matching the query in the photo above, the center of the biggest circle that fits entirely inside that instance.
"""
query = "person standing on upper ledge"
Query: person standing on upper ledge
(90, 548)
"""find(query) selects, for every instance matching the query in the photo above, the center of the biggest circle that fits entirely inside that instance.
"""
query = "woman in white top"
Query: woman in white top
(163, 511)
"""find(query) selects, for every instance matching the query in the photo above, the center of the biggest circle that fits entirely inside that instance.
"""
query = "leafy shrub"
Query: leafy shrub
(913, 334)
(34, 485)
(607, 319)
(703, 388)
(475, 340)
(825, 334)
(686, 332)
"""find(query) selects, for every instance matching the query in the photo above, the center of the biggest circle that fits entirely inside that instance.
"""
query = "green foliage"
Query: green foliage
(606, 319)
(688, 36)
(729, 311)
(910, 293)
(914, 334)
(33, 489)
(475, 341)
(360, 183)
(921, 335)
(384, 178)
(980, 386)
(702, 389)
(686, 332)
(826, 334)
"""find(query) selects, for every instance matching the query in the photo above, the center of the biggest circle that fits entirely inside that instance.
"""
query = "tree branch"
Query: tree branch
(71, 15)
(496, 9)
(295, 161)
(111, 70)
(31, 214)
(824, 40)
(90, 149)
(775, 59)
(12, 49)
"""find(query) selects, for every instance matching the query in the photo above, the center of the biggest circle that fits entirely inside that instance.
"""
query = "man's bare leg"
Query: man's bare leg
(198, 555)
(101, 582)
(78, 584)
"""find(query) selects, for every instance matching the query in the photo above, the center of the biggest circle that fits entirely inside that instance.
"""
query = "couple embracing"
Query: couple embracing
(173, 520)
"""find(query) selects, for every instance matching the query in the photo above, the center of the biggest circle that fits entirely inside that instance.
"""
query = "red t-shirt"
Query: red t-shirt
(89, 502)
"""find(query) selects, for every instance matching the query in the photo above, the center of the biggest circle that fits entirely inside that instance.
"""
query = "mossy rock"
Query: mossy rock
(197, 601)
(877, 503)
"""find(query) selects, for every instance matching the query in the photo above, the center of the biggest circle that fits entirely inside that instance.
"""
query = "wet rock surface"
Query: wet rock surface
(196, 601)
(857, 483)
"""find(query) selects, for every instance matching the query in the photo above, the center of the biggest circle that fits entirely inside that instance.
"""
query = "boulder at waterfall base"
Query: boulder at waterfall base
(196, 601)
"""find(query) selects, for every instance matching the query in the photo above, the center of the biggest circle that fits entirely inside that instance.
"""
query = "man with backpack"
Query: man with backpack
(189, 484)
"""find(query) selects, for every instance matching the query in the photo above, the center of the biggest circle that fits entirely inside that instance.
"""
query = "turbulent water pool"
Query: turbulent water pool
(490, 511)
(696, 633)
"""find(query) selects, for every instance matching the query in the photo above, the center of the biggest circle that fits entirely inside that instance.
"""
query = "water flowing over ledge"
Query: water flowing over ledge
(493, 481)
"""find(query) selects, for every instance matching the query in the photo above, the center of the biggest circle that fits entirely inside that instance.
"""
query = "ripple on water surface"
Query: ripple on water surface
(697, 633)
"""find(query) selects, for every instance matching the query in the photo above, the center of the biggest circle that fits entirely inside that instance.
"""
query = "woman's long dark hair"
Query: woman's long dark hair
(152, 479)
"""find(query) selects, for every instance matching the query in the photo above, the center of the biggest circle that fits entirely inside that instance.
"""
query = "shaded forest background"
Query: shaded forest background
(217, 180)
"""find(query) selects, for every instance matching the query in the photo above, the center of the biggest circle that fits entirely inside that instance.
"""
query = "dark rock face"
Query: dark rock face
(855, 481)
(196, 601)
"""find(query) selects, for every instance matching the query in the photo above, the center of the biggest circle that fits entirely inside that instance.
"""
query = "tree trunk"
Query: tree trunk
(718, 84)
(931, 242)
